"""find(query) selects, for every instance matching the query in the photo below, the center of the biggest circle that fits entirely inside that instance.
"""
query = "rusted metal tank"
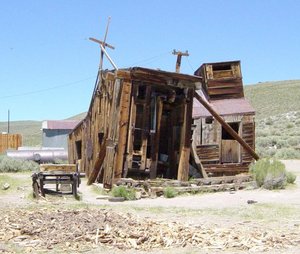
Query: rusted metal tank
(40, 156)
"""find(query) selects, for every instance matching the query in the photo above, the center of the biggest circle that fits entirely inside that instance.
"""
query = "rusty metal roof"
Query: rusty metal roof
(224, 107)
(60, 124)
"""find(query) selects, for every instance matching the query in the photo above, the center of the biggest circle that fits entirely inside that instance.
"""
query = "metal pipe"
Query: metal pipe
(39, 155)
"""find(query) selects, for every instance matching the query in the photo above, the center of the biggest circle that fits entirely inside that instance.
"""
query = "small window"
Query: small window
(225, 135)
(100, 137)
(141, 92)
(78, 145)
(209, 120)
(223, 67)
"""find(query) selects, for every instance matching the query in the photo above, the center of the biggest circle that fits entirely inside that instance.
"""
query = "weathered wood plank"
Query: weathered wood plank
(58, 167)
(155, 146)
(123, 128)
(227, 127)
(183, 167)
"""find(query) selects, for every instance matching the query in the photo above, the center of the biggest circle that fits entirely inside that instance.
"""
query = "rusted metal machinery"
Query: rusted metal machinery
(65, 177)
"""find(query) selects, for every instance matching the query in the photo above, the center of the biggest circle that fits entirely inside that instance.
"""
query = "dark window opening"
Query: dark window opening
(226, 135)
(100, 137)
(225, 67)
(137, 139)
(209, 120)
(141, 92)
(78, 145)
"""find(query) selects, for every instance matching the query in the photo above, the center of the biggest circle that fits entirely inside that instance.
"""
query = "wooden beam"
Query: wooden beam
(98, 164)
(185, 147)
(155, 148)
(123, 128)
(226, 126)
(196, 158)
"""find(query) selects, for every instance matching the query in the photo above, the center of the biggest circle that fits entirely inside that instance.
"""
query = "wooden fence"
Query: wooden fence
(10, 141)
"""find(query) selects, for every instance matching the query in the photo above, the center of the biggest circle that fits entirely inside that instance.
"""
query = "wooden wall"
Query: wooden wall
(93, 130)
(126, 127)
(222, 80)
(10, 141)
(223, 156)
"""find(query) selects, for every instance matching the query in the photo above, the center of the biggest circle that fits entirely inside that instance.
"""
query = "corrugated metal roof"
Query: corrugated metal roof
(223, 107)
(60, 124)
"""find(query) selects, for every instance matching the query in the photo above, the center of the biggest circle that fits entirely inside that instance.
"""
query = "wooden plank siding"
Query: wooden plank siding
(10, 141)
(213, 151)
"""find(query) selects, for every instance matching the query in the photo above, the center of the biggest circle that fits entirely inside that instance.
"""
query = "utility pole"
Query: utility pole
(179, 55)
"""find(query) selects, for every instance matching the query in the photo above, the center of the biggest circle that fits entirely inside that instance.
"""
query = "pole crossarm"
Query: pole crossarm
(179, 55)
(104, 44)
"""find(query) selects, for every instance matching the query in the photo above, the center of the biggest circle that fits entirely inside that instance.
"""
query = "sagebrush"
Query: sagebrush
(170, 192)
(269, 173)
(124, 192)
(13, 165)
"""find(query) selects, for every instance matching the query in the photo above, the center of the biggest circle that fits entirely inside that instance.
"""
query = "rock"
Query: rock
(102, 197)
(251, 201)
(138, 195)
(116, 199)
(5, 186)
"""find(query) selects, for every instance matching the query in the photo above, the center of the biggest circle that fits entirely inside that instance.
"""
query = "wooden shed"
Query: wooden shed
(138, 124)
(217, 150)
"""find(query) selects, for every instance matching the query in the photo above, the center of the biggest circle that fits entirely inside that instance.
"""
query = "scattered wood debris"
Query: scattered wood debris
(152, 188)
(76, 230)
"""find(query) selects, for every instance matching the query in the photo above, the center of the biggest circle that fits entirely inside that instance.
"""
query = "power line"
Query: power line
(190, 64)
(47, 89)
(152, 59)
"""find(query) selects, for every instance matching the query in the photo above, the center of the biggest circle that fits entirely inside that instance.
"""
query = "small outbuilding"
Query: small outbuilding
(55, 132)
(217, 150)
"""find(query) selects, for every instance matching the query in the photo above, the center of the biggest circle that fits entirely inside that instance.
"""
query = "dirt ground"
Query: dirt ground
(239, 227)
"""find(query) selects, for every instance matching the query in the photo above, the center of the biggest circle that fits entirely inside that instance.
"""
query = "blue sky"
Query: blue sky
(48, 66)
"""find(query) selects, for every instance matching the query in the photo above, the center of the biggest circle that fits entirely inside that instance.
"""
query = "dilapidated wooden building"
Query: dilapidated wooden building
(218, 151)
(138, 124)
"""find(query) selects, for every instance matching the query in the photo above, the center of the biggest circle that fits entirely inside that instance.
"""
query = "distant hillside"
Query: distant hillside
(30, 130)
(78, 117)
(277, 106)
(274, 98)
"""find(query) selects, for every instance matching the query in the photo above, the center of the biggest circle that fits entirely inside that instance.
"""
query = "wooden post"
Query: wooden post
(227, 127)
(145, 127)
(123, 128)
(154, 156)
(185, 144)
(132, 119)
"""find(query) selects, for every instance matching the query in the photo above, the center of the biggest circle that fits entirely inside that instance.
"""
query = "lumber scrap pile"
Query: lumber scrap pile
(155, 187)
(81, 230)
